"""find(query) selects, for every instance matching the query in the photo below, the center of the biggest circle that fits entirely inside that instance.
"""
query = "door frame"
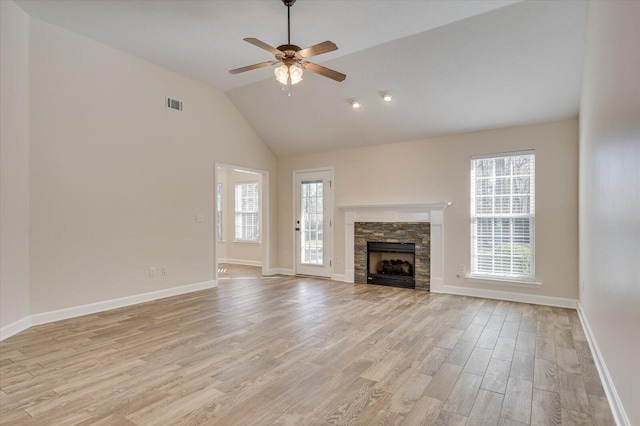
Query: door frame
(264, 216)
(330, 247)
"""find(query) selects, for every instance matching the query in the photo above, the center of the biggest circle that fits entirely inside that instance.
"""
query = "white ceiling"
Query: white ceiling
(453, 66)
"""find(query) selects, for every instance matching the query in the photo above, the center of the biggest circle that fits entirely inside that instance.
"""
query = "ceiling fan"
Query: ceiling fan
(293, 58)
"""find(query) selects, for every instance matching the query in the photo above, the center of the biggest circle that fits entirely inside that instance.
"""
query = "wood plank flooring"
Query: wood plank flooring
(303, 351)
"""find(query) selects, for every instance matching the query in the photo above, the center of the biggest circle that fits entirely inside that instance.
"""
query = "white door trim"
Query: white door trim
(332, 212)
(264, 213)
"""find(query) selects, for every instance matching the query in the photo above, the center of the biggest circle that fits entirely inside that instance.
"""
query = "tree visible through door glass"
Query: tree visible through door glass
(311, 223)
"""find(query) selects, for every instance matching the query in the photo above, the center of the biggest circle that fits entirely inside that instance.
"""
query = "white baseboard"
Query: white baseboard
(285, 271)
(15, 328)
(615, 403)
(281, 271)
(534, 299)
(435, 285)
(340, 277)
(92, 308)
(351, 275)
(240, 262)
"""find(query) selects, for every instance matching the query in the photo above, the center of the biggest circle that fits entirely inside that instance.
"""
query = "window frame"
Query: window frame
(239, 213)
(493, 274)
(219, 212)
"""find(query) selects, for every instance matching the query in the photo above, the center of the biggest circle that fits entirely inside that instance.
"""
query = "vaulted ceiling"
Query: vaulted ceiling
(452, 66)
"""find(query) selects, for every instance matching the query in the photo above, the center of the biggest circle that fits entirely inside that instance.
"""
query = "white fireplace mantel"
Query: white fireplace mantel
(423, 212)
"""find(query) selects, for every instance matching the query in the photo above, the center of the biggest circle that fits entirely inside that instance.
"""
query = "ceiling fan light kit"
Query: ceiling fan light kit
(291, 74)
(293, 58)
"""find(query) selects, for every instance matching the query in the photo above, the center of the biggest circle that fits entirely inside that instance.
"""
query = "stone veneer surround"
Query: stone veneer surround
(424, 212)
(418, 233)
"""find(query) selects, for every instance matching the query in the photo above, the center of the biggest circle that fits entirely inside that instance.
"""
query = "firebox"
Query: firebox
(391, 264)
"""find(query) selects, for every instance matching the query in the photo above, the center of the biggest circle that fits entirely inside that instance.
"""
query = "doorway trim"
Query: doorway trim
(264, 212)
(294, 241)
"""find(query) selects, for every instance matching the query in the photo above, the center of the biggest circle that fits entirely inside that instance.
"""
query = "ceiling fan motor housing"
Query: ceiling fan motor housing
(289, 54)
(288, 47)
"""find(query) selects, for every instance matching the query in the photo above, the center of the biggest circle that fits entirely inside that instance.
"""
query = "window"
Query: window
(219, 211)
(247, 211)
(503, 216)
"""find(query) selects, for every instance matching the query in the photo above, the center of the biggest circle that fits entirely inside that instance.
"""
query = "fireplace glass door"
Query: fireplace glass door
(391, 264)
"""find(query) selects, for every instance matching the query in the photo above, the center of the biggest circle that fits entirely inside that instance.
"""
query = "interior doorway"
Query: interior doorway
(241, 217)
(313, 222)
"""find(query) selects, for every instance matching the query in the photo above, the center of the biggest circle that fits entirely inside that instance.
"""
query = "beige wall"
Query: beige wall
(14, 164)
(437, 169)
(116, 178)
(234, 251)
(610, 193)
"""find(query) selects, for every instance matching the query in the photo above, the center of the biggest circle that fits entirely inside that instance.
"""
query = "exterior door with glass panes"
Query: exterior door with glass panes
(313, 223)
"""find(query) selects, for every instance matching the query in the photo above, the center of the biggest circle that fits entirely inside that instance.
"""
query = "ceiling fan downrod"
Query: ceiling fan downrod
(288, 3)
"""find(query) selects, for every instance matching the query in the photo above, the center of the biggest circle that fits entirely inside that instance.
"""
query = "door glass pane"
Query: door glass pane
(311, 222)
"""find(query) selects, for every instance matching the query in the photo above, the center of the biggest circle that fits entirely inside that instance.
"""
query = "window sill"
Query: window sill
(254, 242)
(504, 281)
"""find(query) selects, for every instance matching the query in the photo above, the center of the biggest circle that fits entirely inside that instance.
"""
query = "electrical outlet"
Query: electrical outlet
(152, 272)
(164, 272)
(460, 272)
(199, 218)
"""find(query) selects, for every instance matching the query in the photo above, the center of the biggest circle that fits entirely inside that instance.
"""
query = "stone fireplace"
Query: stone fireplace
(395, 243)
(430, 215)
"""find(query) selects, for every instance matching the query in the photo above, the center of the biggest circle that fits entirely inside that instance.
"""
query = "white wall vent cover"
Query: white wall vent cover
(174, 104)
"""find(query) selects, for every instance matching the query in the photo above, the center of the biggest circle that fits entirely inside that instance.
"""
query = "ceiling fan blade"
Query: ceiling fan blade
(262, 45)
(326, 72)
(252, 67)
(318, 49)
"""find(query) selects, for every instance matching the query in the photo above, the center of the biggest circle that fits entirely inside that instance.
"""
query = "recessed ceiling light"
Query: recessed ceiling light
(355, 104)
(387, 96)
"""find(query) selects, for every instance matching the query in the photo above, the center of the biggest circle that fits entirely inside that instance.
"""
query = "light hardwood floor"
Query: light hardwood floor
(297, 351)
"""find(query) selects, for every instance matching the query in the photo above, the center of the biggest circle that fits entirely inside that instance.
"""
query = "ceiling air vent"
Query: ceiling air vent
(174, 104)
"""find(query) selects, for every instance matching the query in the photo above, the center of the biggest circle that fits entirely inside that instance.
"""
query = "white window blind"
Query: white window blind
(503, 216)
(247, 211)
(219, 211)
